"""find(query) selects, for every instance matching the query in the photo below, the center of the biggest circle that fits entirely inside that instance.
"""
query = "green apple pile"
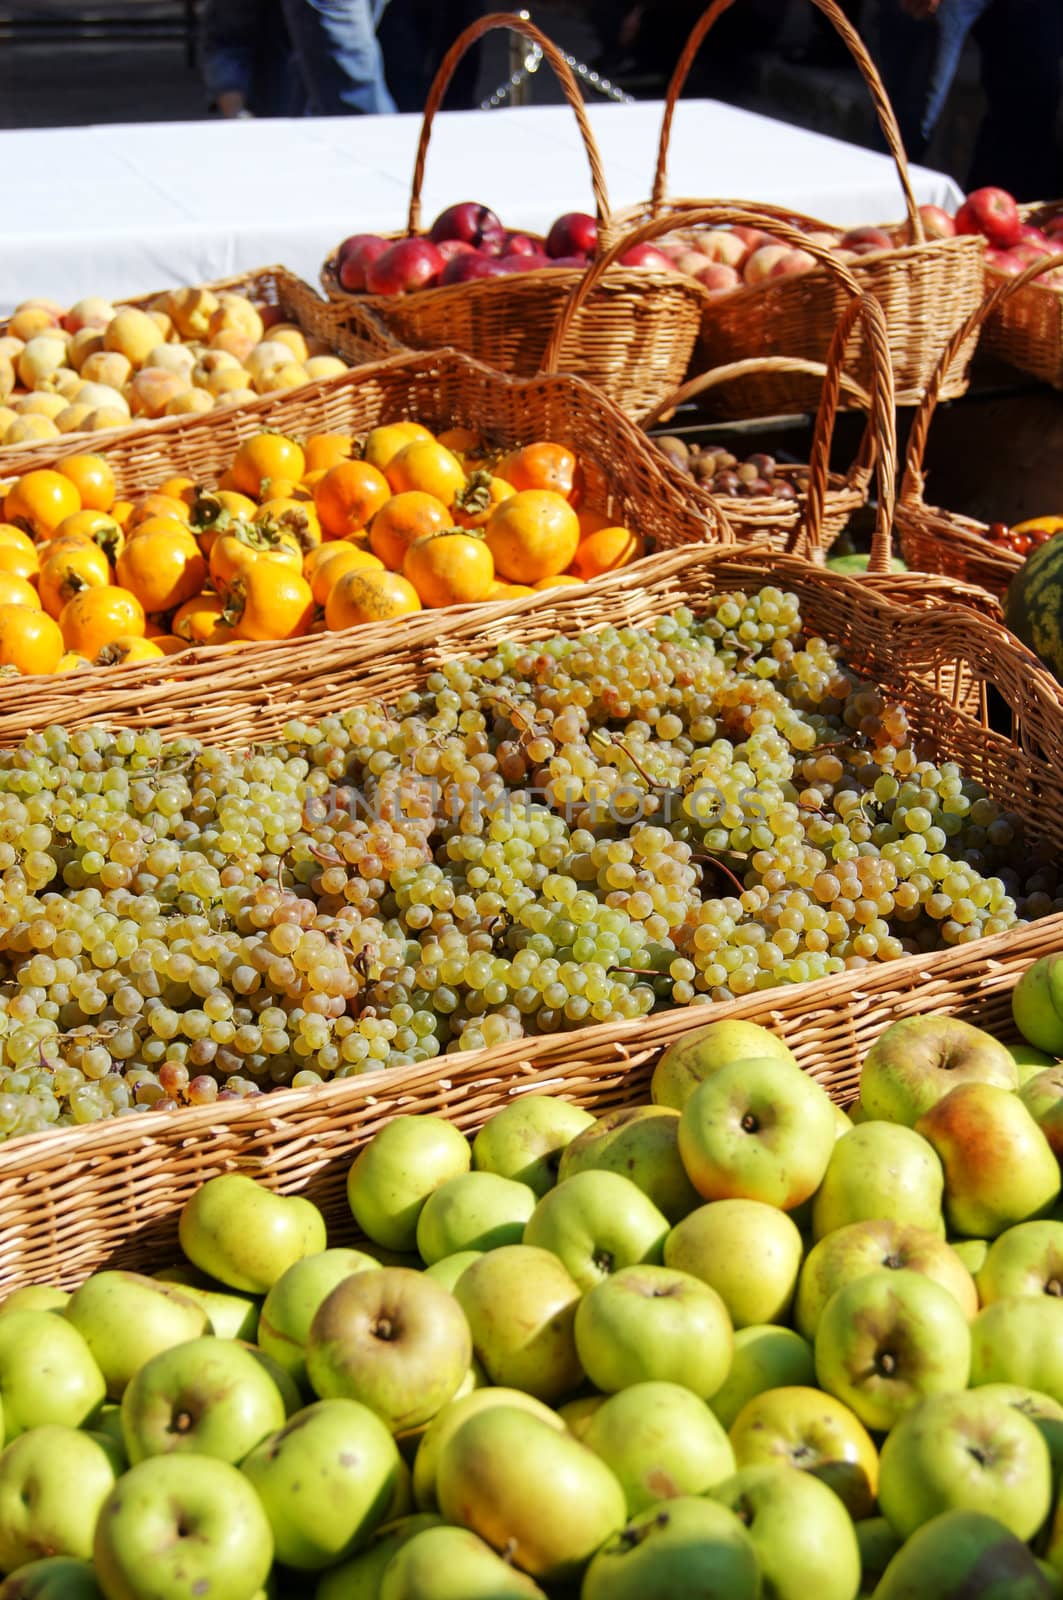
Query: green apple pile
(732, 1344)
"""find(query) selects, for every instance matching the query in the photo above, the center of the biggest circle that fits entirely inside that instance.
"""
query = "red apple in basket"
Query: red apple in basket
(723, 244)
(449, 248)
(525, 263)
(574, 234)
(992, 212)
(793, 264)
(571, 263)
(465, 268)
(718, 278)
(937, 224)
(471, 223)
(1028, 234)
(753, 238)
(647, 255)
(356, 255)
(762, 263)
(866, 241)
(1007, 261)
(410, 264)
(518, 244)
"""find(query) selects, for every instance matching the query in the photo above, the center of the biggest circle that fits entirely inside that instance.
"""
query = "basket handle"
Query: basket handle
(743, 369)
(869, 72)
(566, 78)
(882, 411)
(914, 477)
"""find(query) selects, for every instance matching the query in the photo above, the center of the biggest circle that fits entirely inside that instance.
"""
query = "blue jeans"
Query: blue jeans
(338, 55)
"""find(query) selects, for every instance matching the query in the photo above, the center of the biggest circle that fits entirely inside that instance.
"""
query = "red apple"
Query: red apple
(574, 234)
(472, 223)
(357, 255)
(753, 238)
(1053, 227)
(690, 262)
(647, 255)
(1006, 261)
(570, 263)
(821, 237)
(1028, 234)
(793, 264)
(524, 263)
(1026, 251)
(992, 212)
(865, 241)
(410, 264)
(724, 245)
(760, 265)
(719, 278)
(937, 224)
(449, 248)
(518, 244)
(464, 268)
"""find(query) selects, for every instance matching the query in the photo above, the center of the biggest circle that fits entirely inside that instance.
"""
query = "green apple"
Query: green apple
(758, 1130)
(349, 1456)
(53, 1578)
(525, 1140)
(918, 1060)
(393, 1340)
(842, 1123)
(1042, 1095)
(999, 1167)
(34, 1297)
(765, 1357)
(859, 561)
(229, 1315)
(289, 1389)
(850, 1253)
(108, 1421)
(292, 1303)
(396, 1172)
(959, 1555)
(1037, 1005)
(596, 1223)
(1030, 1061)
(857, 1113)
(181, 1526)
(447, 1422)
(880, 1170)
(878, 1546)
(475, 1211)
(804, 1428)
(687, 1547)
(208, 1397)
(650, 1323)
(577, 1412)
(359, 1578)
(53, 1481)
(244, 1235)
(125, 1319)
(1027, 1259)
(453, 1564)
(535, 1494)
(47, 1372)
(717, 1242)
(449, 1269)
(641, 1143)
(1020, 1340)
(661, 1441)
(520, 1305)
(965, 1452)
(700, 1051)
(801, 1532)
(972, 1252)
(1040, 1408)
(887, 1340)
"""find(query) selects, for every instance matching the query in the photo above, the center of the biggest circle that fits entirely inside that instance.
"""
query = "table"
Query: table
(126, 209)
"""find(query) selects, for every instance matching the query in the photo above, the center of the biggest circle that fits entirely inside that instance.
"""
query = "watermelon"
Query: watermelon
(858, 563)
(1034, 606)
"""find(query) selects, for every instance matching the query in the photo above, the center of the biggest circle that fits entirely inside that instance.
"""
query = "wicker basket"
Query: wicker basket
(108, 1193)
(267, 286)
(945, 542)
(634, 343)
(926, 287)
(1026, 330)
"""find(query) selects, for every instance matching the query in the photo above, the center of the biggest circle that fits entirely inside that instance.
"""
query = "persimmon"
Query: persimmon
(295, 517)
(40, 500)
(465, 443)
(16, 539)
(267, 601)
(429, 466)
(367, 596)
(561, 580)
(97, 615)
(96, 527)
(384, 443)
(127, 650)
(30, 641)
(169, 643)
(593, 521)
(161, 571)
(541, 466)
(402, 521)
(245, 542)
(180, 487)
(201, 620)
(349, 497)
(479, 498)
(18, 562)
(121, 511)
(338, 557)
(69, 570)
(15, 591)
(532, 535)
(93, 479)
(449, 569)
(266, 458)
(70, 660)
(501, 590)
(606, 551)
(157, 505)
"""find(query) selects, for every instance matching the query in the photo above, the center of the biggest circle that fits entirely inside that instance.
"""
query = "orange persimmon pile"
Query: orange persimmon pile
(295, 538)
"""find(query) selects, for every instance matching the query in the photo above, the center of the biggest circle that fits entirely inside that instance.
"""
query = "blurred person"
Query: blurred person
(338, 56)
(1019, 43)
(650, 37)
(246, 59)
(415, 35)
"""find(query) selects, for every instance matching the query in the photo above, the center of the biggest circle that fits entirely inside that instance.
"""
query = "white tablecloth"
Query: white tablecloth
(125, 209)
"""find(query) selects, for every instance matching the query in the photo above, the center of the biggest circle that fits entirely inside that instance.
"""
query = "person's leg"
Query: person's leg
(339, 59)
(920, 58)
(1020, 43)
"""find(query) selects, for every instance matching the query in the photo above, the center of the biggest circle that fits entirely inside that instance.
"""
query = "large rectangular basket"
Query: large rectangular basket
(76, 1200)
(1026, 330)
